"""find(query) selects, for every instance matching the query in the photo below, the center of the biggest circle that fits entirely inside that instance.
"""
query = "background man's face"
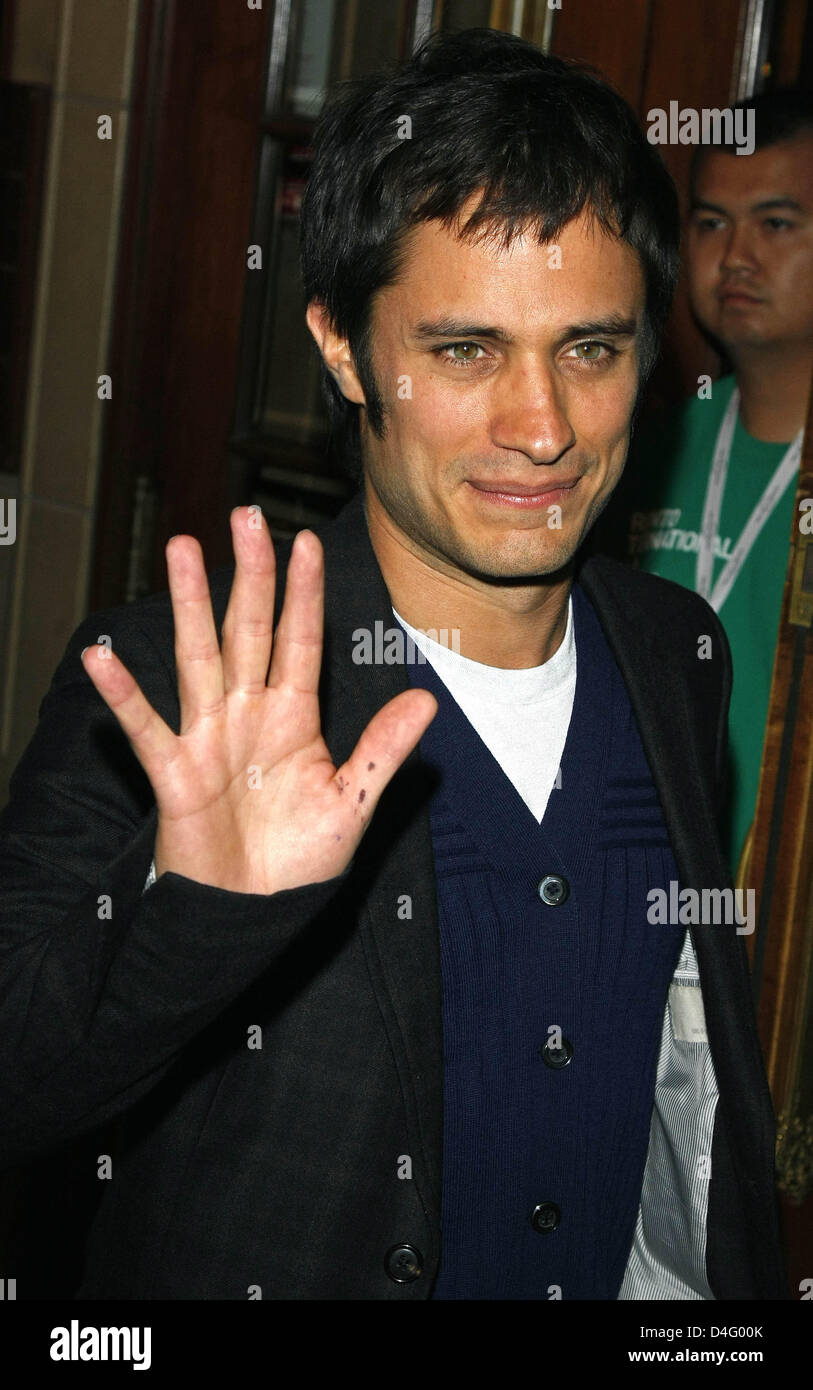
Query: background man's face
(508, 386)
(750, 245)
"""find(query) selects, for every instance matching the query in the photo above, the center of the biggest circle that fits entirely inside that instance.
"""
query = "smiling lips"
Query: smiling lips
(524, 494)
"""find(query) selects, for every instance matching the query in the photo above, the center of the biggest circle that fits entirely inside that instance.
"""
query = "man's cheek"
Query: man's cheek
(435, 419)
(699, 267)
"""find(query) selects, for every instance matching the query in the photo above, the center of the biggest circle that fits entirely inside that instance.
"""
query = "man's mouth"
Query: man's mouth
(514, 494)
(736, 295)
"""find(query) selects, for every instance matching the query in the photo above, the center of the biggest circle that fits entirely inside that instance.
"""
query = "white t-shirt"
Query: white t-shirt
(521, 716)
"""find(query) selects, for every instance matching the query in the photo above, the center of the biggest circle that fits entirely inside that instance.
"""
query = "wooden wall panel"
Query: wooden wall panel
(781, 866)
(181, 279)
(781, 871)
(655, 52)
(692, 58)
(615, 42)
(789, 33)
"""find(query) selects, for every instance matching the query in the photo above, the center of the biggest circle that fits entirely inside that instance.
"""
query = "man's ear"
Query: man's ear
(335, 352)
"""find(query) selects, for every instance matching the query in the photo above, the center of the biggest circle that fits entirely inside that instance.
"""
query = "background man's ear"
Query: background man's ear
(335, 351)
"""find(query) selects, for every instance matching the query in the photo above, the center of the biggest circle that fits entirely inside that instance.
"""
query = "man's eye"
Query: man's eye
(708, 224)
(461, 354)
(592, 352)
(776, 223)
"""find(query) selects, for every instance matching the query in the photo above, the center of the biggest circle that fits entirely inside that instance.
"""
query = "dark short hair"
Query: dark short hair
(542, 137)
(778, 115)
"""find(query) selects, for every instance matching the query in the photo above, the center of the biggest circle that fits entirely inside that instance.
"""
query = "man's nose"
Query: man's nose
(529, 414)
(739, 251)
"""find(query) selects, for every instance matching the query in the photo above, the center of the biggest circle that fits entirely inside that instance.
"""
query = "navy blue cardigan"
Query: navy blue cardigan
(543, 1147)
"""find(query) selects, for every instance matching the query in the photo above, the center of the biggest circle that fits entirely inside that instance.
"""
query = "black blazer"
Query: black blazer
(239, 1169)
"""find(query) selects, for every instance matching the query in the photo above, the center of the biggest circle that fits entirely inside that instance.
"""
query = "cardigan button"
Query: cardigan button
(553, 889)
(557, 1057)
(546, 1217)
(404, 1263)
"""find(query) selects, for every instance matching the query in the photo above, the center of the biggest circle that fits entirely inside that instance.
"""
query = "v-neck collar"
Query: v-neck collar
(483, 798)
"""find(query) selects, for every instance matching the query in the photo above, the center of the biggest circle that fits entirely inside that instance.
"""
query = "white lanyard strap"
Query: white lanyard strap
(785, 471)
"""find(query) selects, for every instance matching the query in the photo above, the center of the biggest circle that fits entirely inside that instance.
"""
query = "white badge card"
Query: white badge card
(687, 1012)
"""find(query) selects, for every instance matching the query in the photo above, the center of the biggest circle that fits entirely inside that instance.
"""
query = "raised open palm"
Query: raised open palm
(248, 797)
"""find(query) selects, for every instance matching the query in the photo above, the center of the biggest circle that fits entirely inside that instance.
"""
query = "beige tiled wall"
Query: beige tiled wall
(83, 49)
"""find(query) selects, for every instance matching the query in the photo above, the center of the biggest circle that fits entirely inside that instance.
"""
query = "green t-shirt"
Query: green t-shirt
(665, 493)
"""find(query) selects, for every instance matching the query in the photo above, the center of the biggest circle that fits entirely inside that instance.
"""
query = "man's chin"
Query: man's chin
(516, 567)
(731, 331)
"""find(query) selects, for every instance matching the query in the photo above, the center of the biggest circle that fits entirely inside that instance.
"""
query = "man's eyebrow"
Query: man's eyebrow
(611, 325)
(699, 204)
(783, 202)
(456, 328)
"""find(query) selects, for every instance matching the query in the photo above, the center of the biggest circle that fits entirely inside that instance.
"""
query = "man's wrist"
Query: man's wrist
(152, 877)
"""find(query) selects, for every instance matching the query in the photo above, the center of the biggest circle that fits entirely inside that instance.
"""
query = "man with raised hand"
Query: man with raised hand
(391, 993)
(709, 496)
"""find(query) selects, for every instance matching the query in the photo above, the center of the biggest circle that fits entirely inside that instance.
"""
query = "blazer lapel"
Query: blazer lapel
(399, 921)
(654, 674)
(653, 667)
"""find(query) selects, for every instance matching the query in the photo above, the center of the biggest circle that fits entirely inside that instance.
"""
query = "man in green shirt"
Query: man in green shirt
(709, 496)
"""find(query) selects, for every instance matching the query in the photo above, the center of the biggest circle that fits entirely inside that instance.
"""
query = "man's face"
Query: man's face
(508, 386)
(750, 246)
